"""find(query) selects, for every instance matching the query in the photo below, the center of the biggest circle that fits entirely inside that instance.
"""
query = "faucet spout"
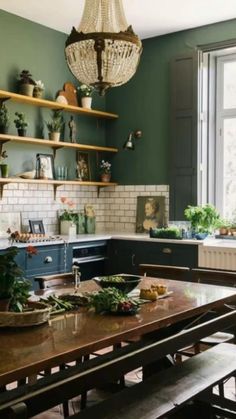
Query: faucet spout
(77, 274)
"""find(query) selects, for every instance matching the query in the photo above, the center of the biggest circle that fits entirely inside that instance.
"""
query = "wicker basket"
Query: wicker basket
(39, 315)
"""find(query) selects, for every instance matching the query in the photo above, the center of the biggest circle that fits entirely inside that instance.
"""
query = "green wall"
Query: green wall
(144, 103)
(27, 45)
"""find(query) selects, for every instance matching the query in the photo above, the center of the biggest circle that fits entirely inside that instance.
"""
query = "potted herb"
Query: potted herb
(86, 95)
(203, 219)
(26, 83)
(4, 119)
(105, 171)
(21, 123)
(55, 125)
(38, 89)
(3, 166)
(223, 226)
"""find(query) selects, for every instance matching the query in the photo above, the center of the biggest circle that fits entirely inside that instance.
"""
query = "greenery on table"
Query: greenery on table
(113, 301)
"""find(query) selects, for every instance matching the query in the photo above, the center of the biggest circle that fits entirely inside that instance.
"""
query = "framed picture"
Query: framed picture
(83, 168)
(150, 213)
(11, 221)
(36, 227)
(44, 166)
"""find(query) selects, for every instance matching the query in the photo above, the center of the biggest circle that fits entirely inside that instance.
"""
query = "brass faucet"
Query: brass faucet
(77, 274)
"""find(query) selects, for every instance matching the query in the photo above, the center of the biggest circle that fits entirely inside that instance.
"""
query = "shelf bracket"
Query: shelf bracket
(2, 189)
(55, 150)
(55, 189)
(3, 99)
(1, 144)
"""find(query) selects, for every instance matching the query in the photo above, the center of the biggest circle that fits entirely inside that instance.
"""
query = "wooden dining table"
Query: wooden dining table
(70, 335)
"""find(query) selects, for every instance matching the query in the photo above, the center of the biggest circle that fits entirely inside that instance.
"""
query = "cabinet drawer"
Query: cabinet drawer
(49, 259)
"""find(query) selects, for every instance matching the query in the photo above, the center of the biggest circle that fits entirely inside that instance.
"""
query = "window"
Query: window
(217, 172)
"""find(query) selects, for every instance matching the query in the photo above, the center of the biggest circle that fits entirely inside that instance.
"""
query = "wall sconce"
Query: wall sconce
(133, 135)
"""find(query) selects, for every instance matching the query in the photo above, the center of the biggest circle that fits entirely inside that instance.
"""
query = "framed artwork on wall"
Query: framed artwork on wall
(150, 213)
(9, 221)
(83, 167)
(36, 227)
(45, 166)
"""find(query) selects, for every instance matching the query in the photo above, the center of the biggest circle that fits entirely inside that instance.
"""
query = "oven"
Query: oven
(91, 258)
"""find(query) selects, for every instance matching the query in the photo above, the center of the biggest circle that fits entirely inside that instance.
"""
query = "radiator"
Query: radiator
(217, 257)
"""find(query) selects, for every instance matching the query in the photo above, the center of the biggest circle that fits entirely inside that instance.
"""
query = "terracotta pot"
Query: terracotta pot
(223, 231)
(105, 177)
(54, 136)
(4, 304)
(86, 102)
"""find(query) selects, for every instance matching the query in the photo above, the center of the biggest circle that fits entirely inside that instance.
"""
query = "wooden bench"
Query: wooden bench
(220, 362)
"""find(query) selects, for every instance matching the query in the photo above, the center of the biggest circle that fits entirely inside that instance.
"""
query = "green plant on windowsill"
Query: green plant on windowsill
(203, 219)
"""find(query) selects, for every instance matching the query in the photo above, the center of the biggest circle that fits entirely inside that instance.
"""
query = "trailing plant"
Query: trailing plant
(57, 122)
(20, 121)
(4, 116)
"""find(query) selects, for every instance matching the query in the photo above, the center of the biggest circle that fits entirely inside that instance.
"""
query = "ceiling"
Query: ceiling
(149, 18)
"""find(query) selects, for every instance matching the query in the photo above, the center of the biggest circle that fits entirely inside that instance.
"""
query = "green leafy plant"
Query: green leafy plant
(4, 116)
(20, 295)
(85, 90)
(9, 272)
(203, 219)
(57, 122)
(20, 121)
(113, 300)
(172, 232)
(26, 77)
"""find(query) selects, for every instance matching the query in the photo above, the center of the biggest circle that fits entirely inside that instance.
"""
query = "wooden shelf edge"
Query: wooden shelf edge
(54, 144)
(55, 105)
(56, 182)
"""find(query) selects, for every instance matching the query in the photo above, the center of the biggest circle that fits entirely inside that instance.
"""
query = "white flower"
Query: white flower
(39, 84)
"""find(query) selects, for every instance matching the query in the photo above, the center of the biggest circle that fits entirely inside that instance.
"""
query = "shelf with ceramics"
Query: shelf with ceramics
(4, 95)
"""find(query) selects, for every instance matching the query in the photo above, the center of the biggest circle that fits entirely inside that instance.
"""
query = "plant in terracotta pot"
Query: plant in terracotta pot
(224, 226)
(56, 125)
(4, 119)
(203, 219)
(9, 274)
(26, 83)
(105, 171)
(86, 92)
(4, 166)
(38, 89)
(21, 123)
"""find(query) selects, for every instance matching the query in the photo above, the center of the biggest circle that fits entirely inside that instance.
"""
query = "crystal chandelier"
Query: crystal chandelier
(104, 52)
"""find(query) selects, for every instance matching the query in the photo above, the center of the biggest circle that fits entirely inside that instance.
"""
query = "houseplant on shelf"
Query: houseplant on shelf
(55, 126)
(26, 83)
(203, 219)
(3, 166)
(68, 218)
(4, 119)
(105, 171)
(21, 123)
(38, 89)
(86, 95)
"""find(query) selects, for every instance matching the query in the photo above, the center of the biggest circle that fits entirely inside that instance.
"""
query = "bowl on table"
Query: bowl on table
(123, 282)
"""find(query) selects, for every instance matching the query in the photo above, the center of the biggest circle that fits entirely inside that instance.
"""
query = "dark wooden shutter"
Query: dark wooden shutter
(183, 150)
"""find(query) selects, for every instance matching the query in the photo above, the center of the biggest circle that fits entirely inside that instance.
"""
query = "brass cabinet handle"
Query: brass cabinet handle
(167, 250)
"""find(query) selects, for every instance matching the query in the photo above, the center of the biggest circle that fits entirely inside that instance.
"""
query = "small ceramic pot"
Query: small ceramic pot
(105, 177)
(37, 93)
(54, 136)
(86, 102)
(26, 89)
(4, 170)
(21, 132)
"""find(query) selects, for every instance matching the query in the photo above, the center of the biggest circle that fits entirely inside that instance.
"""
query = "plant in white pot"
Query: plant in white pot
(55, 126)
(21, 123)
(4, 119)
(86, 95)
(68, 218)
(26, 83)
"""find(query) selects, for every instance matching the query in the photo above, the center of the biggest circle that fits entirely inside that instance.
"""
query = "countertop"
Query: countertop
(4, 242)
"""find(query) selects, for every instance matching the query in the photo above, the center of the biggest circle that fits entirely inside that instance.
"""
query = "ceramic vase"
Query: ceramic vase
(105, 177)
(86, 102)
(68, 228)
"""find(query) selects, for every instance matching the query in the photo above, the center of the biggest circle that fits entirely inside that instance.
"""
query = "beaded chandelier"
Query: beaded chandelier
(104, 51)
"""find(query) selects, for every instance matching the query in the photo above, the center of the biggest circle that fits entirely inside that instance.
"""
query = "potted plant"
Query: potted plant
(223, 226)
(4, 119)
(3, 166)
(55, 125)
(26, 83)
(68, 218)
(203, 219)
(105, 171)
(38, 89)
(86, 95)
(20, 123)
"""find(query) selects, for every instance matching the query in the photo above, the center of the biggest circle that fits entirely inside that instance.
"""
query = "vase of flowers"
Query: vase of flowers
(68, 218)
(86, 95)
(105, 171)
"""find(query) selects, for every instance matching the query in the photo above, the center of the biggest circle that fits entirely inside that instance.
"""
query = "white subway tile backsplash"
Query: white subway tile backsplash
(115, 207)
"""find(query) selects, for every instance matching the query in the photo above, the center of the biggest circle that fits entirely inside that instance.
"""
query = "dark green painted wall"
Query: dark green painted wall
(144, 103)
(27, 45)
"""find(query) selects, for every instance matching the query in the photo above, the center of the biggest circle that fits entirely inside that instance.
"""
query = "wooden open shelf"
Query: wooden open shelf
(55, 183)
(55, 105)
(54, 144)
